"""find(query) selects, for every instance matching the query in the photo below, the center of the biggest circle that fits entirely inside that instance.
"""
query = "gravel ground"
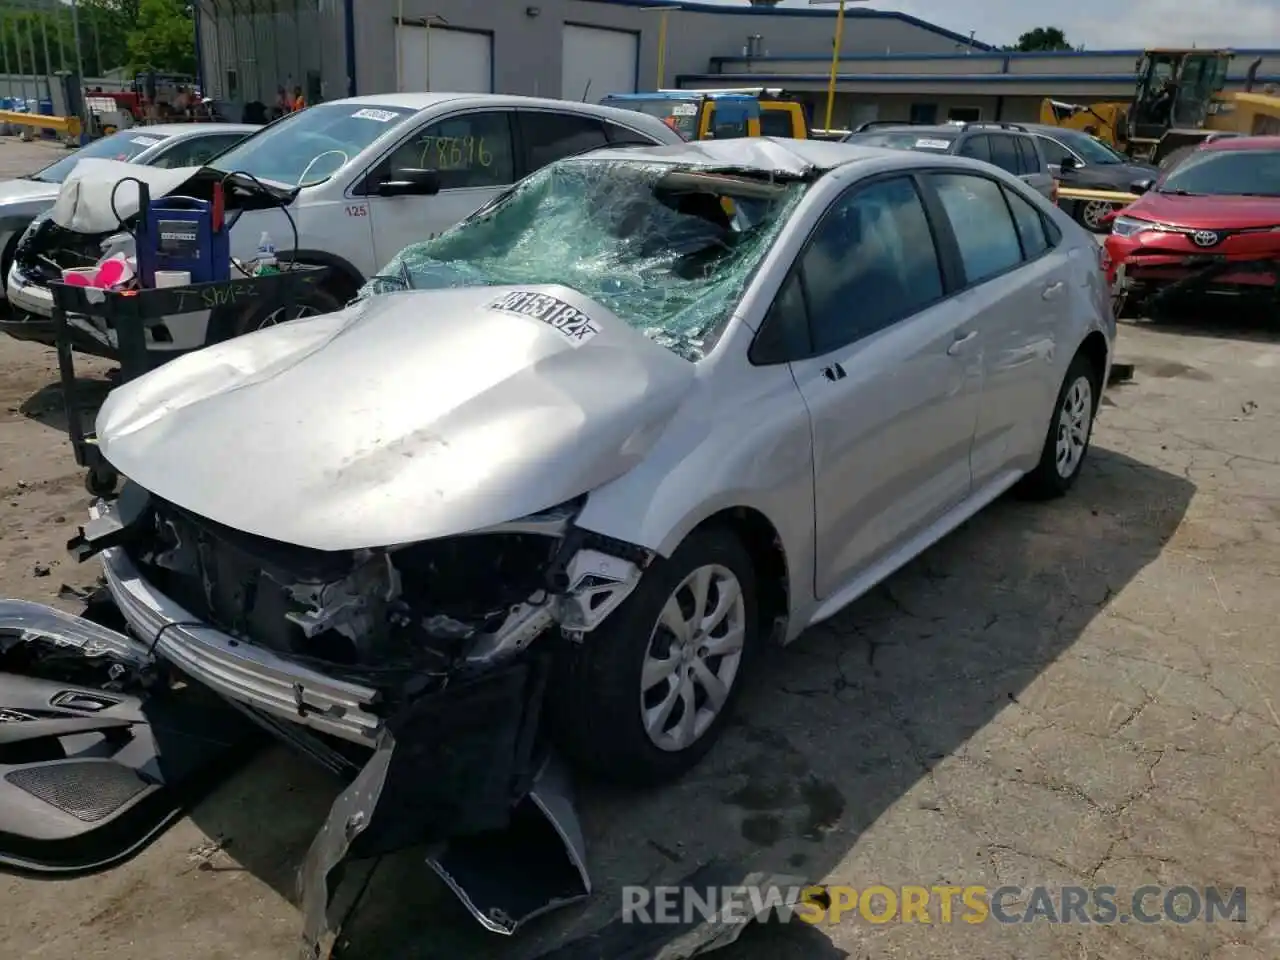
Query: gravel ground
(1084, 692)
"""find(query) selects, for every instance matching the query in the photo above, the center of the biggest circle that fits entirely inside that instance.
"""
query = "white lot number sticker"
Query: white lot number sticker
(144, 141)
(572, 323)
(684, 110)
(382, 116)
(927, 144)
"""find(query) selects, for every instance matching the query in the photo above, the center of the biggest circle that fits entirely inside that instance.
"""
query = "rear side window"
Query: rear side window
(979, 148)
(1028, 162)
(552, 136)
(776, 123)
(622, 137)
(1004, 153)
(983, 226)
(1030, 224)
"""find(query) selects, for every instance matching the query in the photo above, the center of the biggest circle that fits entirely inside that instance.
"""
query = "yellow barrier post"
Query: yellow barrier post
(835, 52)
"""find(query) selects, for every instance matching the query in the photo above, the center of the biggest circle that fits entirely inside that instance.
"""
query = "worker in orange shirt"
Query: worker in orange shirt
(299, 101)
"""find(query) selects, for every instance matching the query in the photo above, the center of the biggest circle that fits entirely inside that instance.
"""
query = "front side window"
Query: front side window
(870, 263)
(1239, 173)
(125, 145)
(310, 146)
(977, 148)
(666, 248)
(981, 222)
(1054, 152)
(468, 150)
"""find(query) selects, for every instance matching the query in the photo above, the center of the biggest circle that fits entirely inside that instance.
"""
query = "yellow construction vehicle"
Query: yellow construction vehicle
(1178, 103)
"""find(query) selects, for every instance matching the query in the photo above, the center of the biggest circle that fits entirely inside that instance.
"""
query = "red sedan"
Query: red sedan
(1211, 224)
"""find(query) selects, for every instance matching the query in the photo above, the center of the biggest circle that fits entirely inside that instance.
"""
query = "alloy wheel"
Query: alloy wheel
(1074, 420)
(1092, 213)
(693, 657)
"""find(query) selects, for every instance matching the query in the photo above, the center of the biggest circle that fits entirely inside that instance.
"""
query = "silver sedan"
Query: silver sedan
(646, 412)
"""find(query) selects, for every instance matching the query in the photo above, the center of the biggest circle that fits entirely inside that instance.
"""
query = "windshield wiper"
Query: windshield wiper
(1181, 193)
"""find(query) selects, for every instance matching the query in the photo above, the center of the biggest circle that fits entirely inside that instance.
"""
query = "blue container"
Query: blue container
(182, 233)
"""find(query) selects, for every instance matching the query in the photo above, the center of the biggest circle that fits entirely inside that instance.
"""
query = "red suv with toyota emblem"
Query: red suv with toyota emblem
(1209, 225)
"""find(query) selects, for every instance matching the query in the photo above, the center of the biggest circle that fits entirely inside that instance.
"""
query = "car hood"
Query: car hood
(1207, 213)
(98, 194)
(404, 417)
(13, 192)
(1119, 175)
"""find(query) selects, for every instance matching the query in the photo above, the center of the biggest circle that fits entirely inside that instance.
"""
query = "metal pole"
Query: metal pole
(835, 64)
(300, 77)
(4, 37)
(253, 44)
(48, 60)
(75, 32)
(17, 46)
(426, 54)
(31, 49)
(662, 49)
(98, 65)
(399, 55)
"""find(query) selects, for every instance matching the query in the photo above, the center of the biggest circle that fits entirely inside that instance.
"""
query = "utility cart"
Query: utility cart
(125, 316)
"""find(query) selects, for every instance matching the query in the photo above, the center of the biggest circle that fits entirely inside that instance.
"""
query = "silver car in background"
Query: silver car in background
(643, 413)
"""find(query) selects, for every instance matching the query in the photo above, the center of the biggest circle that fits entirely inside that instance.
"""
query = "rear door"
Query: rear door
(1014, 277)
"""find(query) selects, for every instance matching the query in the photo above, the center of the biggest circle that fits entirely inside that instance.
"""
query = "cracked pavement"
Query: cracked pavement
(1082, 692)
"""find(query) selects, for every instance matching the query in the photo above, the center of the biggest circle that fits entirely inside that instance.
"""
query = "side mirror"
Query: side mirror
(1142, 186)
(406, 181)
(1068, 164)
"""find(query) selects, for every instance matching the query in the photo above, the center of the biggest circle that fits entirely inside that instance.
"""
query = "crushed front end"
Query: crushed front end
(1151, 265)
(417, 670)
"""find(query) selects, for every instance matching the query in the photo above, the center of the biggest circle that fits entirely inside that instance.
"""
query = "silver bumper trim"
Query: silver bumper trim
(236, 669)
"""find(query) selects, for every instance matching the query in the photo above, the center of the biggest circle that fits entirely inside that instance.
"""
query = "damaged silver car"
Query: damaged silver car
(549, 484)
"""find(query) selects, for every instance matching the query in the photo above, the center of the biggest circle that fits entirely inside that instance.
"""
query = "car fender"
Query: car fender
(744, 443)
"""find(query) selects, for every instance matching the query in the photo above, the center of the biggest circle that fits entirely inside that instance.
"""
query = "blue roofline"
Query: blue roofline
(850, 12)
(981, 55)
(994, 78)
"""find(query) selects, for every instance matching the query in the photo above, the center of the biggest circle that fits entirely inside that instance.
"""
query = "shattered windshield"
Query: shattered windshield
(666, 248)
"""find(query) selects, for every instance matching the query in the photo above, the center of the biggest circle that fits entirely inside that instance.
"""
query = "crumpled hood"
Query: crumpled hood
(404, 417)
(1207, 213)
(100, 193)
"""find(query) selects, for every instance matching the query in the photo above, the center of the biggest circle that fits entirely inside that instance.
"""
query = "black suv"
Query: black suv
(1007, 145)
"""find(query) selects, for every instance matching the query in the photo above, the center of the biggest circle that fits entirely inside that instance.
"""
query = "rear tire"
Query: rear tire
(313, 303)
(1067, 441)
(607, 700)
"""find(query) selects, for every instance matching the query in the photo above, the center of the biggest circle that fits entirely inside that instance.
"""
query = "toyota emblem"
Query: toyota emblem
(1204, 238)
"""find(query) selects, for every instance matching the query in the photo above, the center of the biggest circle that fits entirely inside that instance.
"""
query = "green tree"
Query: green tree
(163, 37)
(1042, 38)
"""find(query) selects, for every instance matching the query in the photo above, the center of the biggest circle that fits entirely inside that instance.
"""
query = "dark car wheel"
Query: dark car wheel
(1070, 430)
(644, 697)
(1089, 214)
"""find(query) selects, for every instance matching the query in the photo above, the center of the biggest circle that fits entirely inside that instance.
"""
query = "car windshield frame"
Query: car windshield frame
(1197, 176)
(262, 156)
(1091, 150)
(905, 138)
(102, 149)
(651, 241)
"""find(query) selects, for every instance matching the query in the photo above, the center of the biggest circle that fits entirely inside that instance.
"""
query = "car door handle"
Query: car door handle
(1052, 290)
(959, 342)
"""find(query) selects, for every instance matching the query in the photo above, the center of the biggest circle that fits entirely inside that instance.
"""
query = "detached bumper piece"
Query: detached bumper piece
(97, 756)
(507, 840)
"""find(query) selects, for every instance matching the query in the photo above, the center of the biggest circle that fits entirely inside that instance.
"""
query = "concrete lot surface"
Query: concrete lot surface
(1085, 692)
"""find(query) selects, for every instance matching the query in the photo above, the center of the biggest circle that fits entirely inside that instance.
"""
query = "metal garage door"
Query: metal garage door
(444, 60)
(598, 62)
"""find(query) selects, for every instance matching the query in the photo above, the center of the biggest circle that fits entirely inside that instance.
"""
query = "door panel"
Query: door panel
(892, 393)
(1016, 297)
(475, 156)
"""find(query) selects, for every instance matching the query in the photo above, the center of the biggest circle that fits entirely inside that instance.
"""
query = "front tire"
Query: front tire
(1089, 214)
(1070, 430)
(645, 697)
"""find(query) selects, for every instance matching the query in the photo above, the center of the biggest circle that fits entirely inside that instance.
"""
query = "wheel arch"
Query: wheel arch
(1095, 349)
(764, 545)
(343, 280)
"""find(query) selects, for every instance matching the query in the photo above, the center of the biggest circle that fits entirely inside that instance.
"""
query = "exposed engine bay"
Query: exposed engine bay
(455, 638)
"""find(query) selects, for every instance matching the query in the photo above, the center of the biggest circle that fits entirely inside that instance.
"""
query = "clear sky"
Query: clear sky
(1099, 24)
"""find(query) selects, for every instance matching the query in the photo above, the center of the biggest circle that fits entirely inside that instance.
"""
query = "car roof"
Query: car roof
(759, 155)
(951, 128)
(190, 129)
(1243, 143)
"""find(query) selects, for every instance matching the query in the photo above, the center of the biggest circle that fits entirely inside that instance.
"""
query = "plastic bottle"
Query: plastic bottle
(265, 262)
